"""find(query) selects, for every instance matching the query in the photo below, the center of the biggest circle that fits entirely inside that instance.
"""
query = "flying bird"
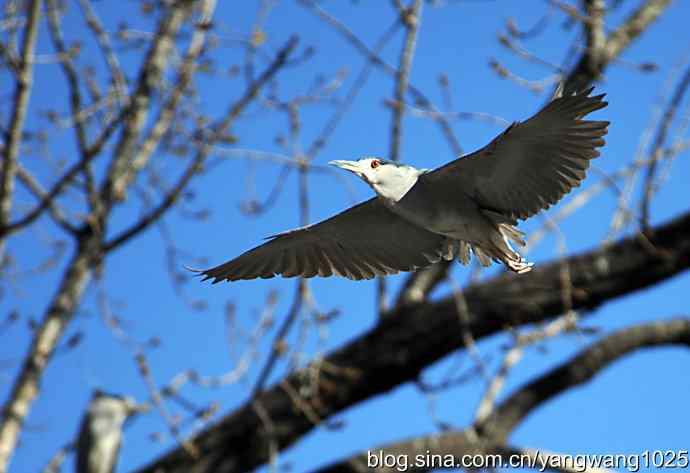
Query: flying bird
(420, 216)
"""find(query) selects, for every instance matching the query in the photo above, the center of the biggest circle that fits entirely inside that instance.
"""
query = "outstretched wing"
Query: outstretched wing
(533, 164)
(364, 241)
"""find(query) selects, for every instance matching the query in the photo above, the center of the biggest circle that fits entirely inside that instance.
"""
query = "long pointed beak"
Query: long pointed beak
(351, 166)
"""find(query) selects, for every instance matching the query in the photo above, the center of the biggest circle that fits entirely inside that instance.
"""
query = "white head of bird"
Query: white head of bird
(389, 179)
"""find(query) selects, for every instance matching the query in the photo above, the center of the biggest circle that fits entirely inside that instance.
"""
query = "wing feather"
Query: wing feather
(362, 242)
(324, 265)
(533, 164)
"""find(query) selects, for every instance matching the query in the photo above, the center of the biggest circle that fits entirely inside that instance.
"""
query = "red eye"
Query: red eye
(375, 163)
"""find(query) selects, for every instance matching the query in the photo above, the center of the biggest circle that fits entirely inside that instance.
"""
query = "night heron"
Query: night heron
(421, 216)
(100, 435)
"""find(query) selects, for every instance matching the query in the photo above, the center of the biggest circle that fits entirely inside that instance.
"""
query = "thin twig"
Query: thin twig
(26, 178)
(359, 45)
(277, 347)
(657, 152)
(555, 327)
(328, 129)
(103, 40)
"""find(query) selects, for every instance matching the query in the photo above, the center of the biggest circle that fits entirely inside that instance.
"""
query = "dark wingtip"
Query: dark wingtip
(600, 98)
(204, 274)
(586, 91)
(197, 272)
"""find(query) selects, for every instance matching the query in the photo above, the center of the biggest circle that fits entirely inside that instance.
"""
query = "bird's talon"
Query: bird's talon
(520, 266)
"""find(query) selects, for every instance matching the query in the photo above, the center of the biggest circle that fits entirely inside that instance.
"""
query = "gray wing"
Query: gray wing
(533, 164)
(364, 241)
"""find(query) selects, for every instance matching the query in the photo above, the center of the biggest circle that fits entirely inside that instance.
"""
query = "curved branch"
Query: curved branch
(490, 437)
(656, 153)
(401, 346)
(581, 369)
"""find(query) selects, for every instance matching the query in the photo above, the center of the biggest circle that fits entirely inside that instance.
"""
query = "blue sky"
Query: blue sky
(631, 407)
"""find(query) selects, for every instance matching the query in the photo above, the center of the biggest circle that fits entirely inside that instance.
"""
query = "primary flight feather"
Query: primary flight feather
(419, 217)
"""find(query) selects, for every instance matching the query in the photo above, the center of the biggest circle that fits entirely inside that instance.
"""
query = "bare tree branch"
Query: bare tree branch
(45, 340)
(594, 32)
(657, 150)
(164, 119)
(24, 80)
(71, 75)
(490, 436)
(582, 369)
(419, 285)
(49, 197)
(592, 63)
(119, 174)
(34, 186)
(636, 24)
(320, 141)
(103, 40)
(411, 19)
(486, 404)
(155, 214)
(279, 340)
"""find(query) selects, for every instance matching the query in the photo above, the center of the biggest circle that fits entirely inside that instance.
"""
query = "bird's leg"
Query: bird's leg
(514, 261)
